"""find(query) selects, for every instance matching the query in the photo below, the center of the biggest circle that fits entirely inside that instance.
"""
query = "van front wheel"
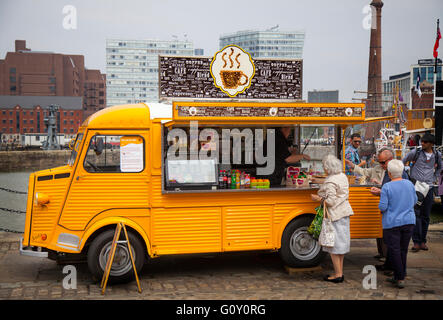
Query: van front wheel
(121, 270)
(298, 248)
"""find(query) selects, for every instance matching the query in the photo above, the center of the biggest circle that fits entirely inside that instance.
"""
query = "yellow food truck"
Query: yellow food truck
(153, 173)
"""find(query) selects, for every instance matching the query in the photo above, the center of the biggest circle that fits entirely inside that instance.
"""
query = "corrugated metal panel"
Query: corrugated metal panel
(186, 230)
(95, 193)
(366, 221)
(247, 227)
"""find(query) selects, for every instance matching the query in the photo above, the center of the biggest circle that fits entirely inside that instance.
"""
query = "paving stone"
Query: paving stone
(5, 293)
(17, 292)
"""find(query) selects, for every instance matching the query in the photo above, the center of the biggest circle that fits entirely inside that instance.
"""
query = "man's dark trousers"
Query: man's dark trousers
(422, 218)
(397, 240)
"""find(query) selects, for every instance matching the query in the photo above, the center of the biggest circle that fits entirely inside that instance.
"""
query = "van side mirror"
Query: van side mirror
(71, 144)
(99, 146)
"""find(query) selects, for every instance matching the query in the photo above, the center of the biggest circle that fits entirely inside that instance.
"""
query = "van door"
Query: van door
(112, 177)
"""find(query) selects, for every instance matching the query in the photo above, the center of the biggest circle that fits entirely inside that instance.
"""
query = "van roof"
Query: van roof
(128, 115)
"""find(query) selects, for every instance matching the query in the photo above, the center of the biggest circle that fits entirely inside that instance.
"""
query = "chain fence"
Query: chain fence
(12, 210)
(13, 191)
(9, 230)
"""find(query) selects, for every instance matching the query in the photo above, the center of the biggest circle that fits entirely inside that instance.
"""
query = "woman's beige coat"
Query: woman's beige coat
(335, 192)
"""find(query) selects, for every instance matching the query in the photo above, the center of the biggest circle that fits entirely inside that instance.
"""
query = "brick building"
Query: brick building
(37, 73)
(26, 114)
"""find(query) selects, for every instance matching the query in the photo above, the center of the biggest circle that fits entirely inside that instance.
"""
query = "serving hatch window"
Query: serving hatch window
(244, 149)
(317, 141)
(112, 153)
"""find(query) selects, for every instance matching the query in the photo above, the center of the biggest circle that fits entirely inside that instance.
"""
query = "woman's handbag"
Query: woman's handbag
(327, 233)
(315, 227)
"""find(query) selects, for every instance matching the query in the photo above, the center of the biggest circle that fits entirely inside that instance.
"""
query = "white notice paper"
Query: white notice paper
(131, 154)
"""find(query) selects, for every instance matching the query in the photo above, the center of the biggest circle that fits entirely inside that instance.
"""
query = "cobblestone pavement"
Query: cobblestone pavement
(229, 276)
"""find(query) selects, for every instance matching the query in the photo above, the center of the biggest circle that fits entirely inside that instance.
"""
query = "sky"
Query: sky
(336, 49)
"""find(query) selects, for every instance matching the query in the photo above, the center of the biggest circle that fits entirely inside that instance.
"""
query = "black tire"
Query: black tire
(121, 271)
(298, 248)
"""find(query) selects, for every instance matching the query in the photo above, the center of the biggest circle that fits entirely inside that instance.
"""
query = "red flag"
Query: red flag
(437, 43)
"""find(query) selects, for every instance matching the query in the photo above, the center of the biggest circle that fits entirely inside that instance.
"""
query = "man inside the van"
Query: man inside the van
(285, 155)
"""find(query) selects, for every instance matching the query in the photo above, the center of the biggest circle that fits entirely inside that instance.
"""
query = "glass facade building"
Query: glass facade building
(400, 81)
(267, 44)
(407, 82)
(426, 73)
(132, 68)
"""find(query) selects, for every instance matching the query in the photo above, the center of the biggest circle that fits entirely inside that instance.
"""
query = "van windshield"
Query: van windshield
(75, 149)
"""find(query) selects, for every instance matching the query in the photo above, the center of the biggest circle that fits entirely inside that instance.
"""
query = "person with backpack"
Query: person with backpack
(425, 164)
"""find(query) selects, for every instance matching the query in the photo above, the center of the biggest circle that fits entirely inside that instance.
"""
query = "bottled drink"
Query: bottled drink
(233, 182)
(225, 180)
(220, 179)
(247, 181)
(242, 180)
(228, 184)
(237, 180)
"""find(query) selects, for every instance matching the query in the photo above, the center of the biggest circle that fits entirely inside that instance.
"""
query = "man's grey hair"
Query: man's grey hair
(387, 150)
(332, 164)
(395, 168)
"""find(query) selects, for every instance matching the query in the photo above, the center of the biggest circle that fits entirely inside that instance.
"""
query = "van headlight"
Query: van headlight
(41, 199)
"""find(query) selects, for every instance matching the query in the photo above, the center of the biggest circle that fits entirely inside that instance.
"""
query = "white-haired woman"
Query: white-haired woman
(334, 192)
(397, 200)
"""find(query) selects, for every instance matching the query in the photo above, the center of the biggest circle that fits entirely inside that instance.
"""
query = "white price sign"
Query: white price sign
(131, 154)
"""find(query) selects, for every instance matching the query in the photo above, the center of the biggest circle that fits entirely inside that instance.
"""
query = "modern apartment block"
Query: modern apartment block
(41, 73)
(270, 43)
(132, 68)
(323, 96)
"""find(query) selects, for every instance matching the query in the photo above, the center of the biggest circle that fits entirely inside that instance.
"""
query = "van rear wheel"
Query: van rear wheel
(298, 248)
(121, 270)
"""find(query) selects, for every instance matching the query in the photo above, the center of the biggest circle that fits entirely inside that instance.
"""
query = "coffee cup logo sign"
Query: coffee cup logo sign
(232, 70)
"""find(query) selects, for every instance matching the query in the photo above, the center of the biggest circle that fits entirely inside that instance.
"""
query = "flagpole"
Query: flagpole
(435, 69)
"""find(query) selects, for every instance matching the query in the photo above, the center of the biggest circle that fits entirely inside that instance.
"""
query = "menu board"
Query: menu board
(189, 77)
(197, 111)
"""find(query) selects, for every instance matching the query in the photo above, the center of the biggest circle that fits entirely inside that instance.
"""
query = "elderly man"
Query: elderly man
(375, 174)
